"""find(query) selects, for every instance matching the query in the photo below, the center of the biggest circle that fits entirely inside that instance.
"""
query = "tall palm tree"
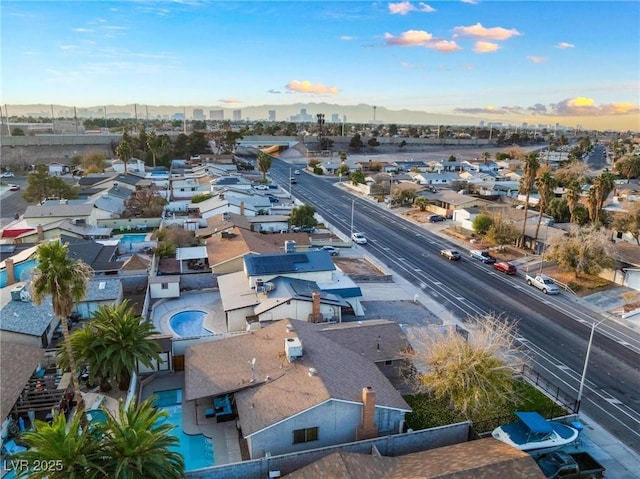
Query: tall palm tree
(137, 444)
(72, 451)
(89, 350)
(573, 191)
(153, 143)
(124, 151)
(546, 184)
(125, 338)
(66, 281)
(531, 166)
(602, 186)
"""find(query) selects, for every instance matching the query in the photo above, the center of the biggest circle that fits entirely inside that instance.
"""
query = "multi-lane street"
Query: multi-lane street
(554, 330)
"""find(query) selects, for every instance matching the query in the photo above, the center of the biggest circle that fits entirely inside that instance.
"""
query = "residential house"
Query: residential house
(302, 391)
(134, 165)
(484, 458)
(249, 206)
(224, 182)
(434, 178)
(101, 291)
(411, 165)
(186, 188)
(266, 291)
(79, 213)
(57, 169)
(22, 322)
(21, 233)
(102, 258)
(446, 202)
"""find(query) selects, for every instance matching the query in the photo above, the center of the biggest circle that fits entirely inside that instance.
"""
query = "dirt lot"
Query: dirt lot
(357, 266)
(417, 215)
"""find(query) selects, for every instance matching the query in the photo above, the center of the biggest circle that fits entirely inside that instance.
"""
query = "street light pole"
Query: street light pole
(353, 206)
(289, 182)
(544, 247)
(594, 325)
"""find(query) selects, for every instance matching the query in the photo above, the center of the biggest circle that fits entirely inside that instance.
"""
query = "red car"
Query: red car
(505, 267)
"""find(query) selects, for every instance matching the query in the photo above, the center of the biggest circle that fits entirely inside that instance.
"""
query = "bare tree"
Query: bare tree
(474, 374)
(585, 250)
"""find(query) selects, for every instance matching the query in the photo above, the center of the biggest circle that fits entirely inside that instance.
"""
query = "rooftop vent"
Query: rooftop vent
(289, 246)
(313, 372)
(293, 349)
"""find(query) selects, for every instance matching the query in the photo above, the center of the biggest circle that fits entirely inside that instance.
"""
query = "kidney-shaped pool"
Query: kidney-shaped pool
(189, 323)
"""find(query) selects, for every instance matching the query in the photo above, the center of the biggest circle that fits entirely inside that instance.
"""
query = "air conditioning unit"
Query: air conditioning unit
(293, 349)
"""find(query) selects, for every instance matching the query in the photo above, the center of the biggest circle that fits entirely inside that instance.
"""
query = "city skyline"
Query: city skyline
(511, 62)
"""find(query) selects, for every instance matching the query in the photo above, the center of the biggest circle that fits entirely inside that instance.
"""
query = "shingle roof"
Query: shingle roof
(281, 263)
(103, 289)
(482, 459)
(58, 210)
(25, 317)
(222, 366)
(17, 364)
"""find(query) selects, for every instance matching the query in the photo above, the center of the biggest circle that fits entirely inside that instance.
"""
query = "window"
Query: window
(165, 285)
(388, 363)
(305, 435)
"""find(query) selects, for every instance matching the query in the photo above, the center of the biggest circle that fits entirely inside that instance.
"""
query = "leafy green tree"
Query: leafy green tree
(199, 198)
(476, 376)
(73, 452)
(125, 337)
(373, 142)
(326, 143)
(584, 250)
(628, 166)
(40, 185)
(181, 146)
(229, 141)
(500, 232)
(303, 216)
(16, 131)
(481, 224)
(264, 164)
(356, 142)
(343, 169)
(65, 280)
(531, 165)
(94, 161)
(124, 151)
(198, 143)
(559, 209)
(138, 444)
(406, 197)
(357, 177)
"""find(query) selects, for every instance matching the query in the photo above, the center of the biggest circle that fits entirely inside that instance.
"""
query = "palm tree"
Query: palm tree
(485, 157)
(546, 184)
(66, 281)
(72, 451)
(89, 350)
(125, 338)
(573, 189)
(137, 444)
(531, 165)
(153, 143)
(124, 151)
(602, 186)
(264, 164)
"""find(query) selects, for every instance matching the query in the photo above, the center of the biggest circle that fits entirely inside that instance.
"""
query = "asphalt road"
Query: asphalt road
(554, 330)
(11, 202)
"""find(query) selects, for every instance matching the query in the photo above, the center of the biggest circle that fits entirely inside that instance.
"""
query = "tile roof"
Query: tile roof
(482, 459)
(17, 364)
(281, 388)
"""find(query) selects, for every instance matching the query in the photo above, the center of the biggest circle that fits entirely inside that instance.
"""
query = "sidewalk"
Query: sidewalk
(619, 460)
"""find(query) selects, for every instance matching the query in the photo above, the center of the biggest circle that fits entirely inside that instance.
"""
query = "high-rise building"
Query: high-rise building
(198, 114)
(335, 118)
(272, 115)
(217, 115)
(237, 115)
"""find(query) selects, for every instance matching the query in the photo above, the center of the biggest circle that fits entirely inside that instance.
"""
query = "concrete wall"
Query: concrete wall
(18, 338)
(237, 319)
(232, 266)
(395, 445)
(172, 290)
(300, 310)
(131, 222)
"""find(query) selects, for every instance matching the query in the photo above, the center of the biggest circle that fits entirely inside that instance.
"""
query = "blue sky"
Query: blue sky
(541, 61)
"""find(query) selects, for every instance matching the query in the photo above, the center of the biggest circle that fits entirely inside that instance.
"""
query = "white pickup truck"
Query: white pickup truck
(543, 283)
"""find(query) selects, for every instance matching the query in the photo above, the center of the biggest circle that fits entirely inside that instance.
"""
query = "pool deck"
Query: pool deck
(209, 302)
(224, 436)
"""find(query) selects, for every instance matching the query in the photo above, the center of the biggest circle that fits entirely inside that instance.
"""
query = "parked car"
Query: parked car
(436, 218)
(543, 283)
(359, 238)
(450, 254)
(573, 465)
(303, 229)
(260, 187)
(14, 187)
(505, 267)
(272, 198)
(483, 256)
(6, 174)
(333, 251)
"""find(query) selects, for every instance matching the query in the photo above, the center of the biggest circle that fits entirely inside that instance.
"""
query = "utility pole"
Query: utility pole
(353, 207)
(594, 325)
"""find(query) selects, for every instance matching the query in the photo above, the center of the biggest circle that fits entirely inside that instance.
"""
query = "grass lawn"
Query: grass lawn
(430, 412)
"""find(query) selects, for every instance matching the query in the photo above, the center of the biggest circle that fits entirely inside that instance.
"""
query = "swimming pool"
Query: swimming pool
(197, 450)
(133, 238)
(189, 323)
(21, 271)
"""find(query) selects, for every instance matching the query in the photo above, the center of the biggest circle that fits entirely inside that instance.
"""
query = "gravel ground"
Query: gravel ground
(404, 312)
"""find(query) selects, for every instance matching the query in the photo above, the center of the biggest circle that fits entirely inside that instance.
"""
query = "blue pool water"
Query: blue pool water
(21, 271)
(133, 238)
(197, 450)
(189, 323)
(96, 415)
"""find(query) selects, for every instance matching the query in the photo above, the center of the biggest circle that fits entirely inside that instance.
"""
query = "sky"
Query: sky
(541, 62)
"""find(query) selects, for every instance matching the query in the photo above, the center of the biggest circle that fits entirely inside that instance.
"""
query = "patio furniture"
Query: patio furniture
(223, 409)
(12, 448)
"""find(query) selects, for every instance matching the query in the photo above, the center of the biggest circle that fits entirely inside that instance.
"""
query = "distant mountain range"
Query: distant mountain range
(361, 113)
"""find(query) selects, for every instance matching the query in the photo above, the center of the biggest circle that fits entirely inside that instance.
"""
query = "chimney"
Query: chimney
(11, 275)
(242, 208)
(316, 315)
(40, 230)
(368, 428)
